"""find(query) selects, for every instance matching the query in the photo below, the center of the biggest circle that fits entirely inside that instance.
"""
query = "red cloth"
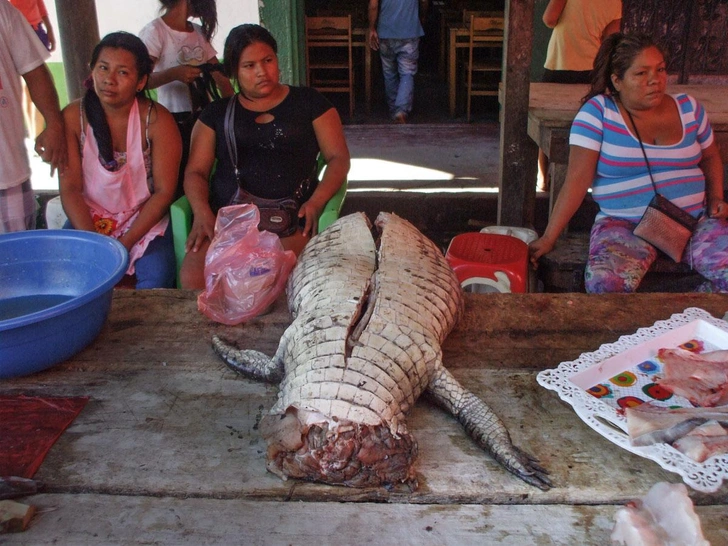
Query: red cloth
(29, 426)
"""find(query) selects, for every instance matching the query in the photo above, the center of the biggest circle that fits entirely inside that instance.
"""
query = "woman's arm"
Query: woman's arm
(712, 167)
(331, 141)
(579, 177)
(197, 189)
(71, 178)
(553, 12)
(166, 154)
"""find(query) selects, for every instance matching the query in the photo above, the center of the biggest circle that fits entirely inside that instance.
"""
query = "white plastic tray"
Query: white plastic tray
(599, 384)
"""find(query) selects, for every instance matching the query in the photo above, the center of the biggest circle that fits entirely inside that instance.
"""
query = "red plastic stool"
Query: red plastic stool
(498, 261)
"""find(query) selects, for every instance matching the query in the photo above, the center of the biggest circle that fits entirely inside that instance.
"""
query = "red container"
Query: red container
(500, 261)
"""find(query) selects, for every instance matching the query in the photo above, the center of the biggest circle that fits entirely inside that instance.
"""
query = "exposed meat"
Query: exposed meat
(701, 378)
(648, 424)
(363, 346)
(704, 441)
(664, 517)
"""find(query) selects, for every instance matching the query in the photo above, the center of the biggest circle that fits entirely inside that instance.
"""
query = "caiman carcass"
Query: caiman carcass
(364, 344)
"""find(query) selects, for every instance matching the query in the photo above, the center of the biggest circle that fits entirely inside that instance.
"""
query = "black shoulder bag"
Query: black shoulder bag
(664, 225)
(279, 216)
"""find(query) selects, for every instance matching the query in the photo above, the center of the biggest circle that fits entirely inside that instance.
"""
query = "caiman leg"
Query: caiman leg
(249, 363)
(486, 428)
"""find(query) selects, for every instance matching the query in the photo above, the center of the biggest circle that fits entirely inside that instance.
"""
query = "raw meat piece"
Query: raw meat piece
(701, 378)
(664, 517)
(704, 442)
(648, 424)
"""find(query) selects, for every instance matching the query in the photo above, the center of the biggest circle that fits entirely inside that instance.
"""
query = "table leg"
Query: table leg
(452, 71)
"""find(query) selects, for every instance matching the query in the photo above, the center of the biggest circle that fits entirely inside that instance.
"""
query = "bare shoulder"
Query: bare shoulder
(160, 119)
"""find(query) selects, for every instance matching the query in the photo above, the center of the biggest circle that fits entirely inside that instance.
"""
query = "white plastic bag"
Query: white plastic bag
(245, 269)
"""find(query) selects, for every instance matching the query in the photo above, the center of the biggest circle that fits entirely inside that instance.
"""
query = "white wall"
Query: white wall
(132, 15)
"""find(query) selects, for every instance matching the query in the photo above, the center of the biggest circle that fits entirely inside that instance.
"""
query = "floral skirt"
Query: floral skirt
(619, 260)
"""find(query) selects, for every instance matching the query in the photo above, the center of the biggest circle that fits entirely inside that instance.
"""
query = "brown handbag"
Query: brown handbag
(664, 225)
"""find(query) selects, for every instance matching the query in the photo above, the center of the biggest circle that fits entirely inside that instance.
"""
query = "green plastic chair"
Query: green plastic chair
(180, 213)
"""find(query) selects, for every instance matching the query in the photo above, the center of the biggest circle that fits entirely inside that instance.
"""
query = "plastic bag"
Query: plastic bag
(245, 269)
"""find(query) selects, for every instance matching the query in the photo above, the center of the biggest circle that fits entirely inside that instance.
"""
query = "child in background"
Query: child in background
(178, 49)
(36, 14)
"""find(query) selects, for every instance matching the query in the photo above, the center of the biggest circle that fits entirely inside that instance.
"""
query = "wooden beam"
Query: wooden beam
(518, 153)
(79, 29)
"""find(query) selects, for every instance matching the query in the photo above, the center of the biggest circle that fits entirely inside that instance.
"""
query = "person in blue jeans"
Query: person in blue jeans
(395, 28)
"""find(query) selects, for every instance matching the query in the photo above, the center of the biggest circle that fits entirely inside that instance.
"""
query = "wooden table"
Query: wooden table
(167, 449)
(552, 108)
(460, 38)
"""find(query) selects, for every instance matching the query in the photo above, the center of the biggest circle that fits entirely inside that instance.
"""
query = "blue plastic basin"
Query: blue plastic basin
(55, 295)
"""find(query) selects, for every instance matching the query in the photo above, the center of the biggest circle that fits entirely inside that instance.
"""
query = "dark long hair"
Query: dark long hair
(239, 38)
(206, 10)
(91, 103)
(616, 54)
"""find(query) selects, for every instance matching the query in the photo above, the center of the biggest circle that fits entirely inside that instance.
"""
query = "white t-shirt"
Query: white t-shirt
(172, 48)
(20, 52)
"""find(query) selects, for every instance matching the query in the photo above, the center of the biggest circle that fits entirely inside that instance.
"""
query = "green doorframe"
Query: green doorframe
(285, 20)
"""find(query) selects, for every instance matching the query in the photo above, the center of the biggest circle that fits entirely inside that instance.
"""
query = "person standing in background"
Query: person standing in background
(22, 54)
(395, 29)
(179, 49)
(579, 26)
(36, 14)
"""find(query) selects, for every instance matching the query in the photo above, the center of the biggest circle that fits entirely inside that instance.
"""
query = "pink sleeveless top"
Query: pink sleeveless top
(116, 197)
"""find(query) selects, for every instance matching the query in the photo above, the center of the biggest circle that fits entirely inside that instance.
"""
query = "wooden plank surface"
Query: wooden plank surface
(143, 520)
(167, 421)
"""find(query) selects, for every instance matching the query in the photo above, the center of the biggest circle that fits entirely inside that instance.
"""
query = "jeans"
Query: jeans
(399, 66)
(157, 268)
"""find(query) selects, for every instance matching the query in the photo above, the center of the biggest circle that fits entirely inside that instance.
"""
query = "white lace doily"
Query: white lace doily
(603, 418)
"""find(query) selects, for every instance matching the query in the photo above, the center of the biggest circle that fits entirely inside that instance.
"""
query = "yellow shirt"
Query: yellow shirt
(577, 36)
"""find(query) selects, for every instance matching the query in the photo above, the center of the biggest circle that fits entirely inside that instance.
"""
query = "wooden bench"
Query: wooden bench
(562, 269)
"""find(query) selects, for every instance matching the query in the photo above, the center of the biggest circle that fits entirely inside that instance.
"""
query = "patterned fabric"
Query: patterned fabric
(618, 259)
(17, 208)
(622, 186)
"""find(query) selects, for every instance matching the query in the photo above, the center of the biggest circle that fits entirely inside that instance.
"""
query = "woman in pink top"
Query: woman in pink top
(124, 153)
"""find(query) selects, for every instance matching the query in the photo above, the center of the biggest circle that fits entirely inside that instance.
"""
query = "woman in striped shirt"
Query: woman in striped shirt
(627, 98)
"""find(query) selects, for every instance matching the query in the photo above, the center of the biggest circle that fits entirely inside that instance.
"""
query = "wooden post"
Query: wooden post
(285, 20)
(518, 153)
(79, 29)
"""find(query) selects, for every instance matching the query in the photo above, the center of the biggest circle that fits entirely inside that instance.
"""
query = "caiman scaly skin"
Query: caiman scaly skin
(364, 344)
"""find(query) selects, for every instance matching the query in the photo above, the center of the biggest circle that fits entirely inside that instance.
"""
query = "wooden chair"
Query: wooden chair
(483, 68)
(329, 62)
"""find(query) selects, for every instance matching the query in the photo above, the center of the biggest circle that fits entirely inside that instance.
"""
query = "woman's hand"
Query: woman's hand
(717, 208)
(311, 212)
(203, 229)
(538, 248)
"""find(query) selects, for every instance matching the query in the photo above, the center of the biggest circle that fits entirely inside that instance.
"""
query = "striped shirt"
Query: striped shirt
(621, 185)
